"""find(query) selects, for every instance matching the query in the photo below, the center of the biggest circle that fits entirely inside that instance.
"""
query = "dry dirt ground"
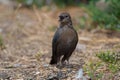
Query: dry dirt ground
(27, 35)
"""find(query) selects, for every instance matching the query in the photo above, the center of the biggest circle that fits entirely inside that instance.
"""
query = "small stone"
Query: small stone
(79, 75)
(17, 65)
(37, 73)
(46, 65)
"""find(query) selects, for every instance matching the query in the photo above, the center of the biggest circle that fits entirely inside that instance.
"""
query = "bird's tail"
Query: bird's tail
(53, 61)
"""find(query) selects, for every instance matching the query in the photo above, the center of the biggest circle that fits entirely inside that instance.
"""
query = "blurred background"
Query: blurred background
(27, 28)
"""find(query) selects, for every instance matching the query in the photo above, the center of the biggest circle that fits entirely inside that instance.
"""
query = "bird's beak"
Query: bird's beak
(61, 18)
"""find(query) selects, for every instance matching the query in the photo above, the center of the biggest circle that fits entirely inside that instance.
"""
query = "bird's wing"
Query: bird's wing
(54, 47)
(55, 41)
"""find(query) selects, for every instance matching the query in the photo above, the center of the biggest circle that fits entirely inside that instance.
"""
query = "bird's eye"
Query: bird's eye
(66, 16)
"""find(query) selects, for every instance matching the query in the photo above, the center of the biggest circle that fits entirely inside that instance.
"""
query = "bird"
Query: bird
(64, 40)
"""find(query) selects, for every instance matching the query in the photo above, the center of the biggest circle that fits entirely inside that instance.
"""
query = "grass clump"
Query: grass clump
(38, 55)
(91, 69)
(1, 43)
(107, 62)
(107, 57)
(108, 18)
(112, 60)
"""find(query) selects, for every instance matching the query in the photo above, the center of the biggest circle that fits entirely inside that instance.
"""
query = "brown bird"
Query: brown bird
(64, 41)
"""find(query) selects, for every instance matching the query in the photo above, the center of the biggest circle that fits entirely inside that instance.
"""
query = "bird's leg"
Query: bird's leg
(63, 62)
(68, 62)
(59, 64)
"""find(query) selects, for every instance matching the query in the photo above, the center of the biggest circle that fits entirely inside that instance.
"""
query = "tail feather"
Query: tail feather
(53, 61)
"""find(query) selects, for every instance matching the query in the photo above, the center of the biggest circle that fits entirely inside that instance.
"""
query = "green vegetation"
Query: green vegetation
(114, 8)
(38, 55)
(91, 69)
(30, 3)
(59, 3)
(107, 56)
(1, 42)
(111, 59)
(39, 3)
(108, 18)
(63, 3)
(52, 28)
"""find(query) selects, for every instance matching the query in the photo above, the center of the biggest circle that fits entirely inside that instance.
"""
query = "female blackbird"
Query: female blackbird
(64, 41)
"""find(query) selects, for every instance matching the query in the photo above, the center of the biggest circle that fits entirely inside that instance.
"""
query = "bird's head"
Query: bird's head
(64, 18)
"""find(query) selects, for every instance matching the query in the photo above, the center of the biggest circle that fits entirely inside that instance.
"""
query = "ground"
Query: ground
(27, 35)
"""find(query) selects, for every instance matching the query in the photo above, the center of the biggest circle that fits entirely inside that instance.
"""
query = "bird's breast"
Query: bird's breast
(68, 35)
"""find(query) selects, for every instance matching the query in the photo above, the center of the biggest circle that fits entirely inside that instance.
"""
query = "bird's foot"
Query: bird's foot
(69, 66)
(59, 66)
